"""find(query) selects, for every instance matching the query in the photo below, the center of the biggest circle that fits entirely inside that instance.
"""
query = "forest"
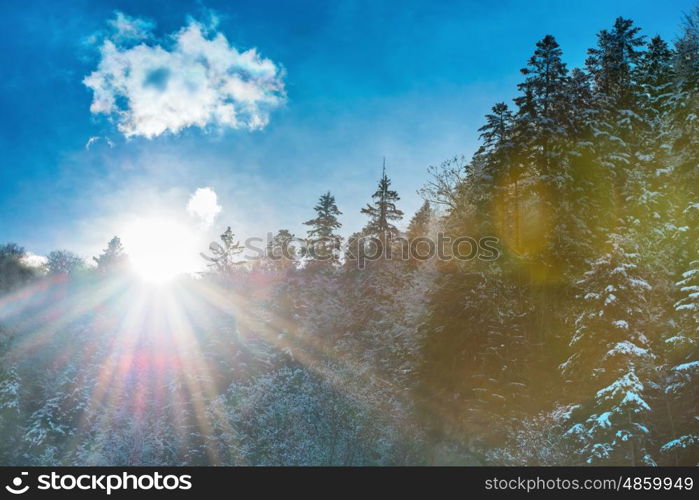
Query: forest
(575, 343)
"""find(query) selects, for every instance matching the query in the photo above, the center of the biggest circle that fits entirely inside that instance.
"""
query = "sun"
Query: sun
(160, 248)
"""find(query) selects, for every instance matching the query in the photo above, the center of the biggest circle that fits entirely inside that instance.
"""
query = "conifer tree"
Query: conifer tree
(687, 52)
(611, 65)
(112, 258)
(224, 258)
(495, 167)
(612, 61)
(681, 346)
(419, 224)
(684, 126)
(281, 253)
(383, 212)
(497, 130)
(682, 342)
(542, 115)
(542, 127)
(654, 76)
(610, 360)
(418, 229)
(583, 205)
(323, 240)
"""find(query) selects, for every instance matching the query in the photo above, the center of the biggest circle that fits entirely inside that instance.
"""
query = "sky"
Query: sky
(243, 113)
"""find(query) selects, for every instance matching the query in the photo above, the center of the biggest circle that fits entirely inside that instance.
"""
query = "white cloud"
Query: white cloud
(91, 141)
(96, 138)
(130, 28)
(198, 79)
(204, 205)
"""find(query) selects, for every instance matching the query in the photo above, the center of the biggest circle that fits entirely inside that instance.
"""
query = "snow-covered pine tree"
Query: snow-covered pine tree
(612, 61)
(654, 77)
(682, 354)
(542, 115)
(684, 128)
(611, 65)
(682, 341)
(497, 131)
(651, 208)
(609, 361)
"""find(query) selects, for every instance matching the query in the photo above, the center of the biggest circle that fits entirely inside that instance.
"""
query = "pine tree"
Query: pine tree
(113, 258)
(497, 130)
(654, 75)
(684, 126)
(497, 150)
(281, 254)
(682, 353)
(224, 257)
(609, 361)
(542, 115)
(612, 61)
(682, 343)
(617, 120)
(653, 81)
(542, 128)
(418, 229)
(578, 93)
(383, 212)
(583, 202)
(323, 240)
(649, 207)
(687, 52)
(420, 223)
(493, 175)
(682, 385)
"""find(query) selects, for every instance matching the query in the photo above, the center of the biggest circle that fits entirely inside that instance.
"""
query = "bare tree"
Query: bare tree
(443, 182)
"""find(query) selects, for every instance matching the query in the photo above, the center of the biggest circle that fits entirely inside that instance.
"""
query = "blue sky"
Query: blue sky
(363, 79)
